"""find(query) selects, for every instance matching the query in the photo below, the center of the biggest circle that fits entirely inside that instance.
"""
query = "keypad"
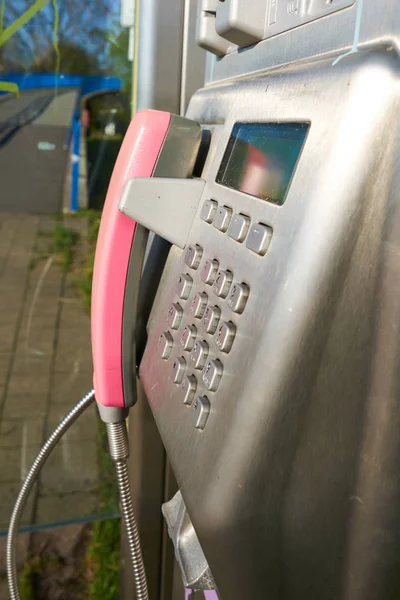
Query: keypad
(200, 412)
(259, 238)
(188, 337)
(208, 211)
(212, 374)
(225, 336)
(199, 354)
(193, 256)
(183, 286)
(204, 314)
(238, 297)
(188, 387)
(178, 369)
(222, 283)
(198, 305)
(209, 271)
(222, 218)
(165, 342)
(211, 318)
(239, 227)
(174, 317)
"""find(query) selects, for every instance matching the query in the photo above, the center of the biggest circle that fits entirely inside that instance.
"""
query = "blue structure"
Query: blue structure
(87, 84)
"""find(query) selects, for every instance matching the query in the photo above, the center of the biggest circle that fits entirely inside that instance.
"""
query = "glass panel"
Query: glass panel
(65, 86)
(260, 158)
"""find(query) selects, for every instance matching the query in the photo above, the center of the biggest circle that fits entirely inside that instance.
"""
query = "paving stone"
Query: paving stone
(47, 223)
(72, 467)
(4, 595)
(34, 362)
(69, 387)
(22, 555)
(24, 384)
(32, 405)
(40, 304)
(41, 313)
(46, 279)
(4, 368)
(73, 332)
(7, 335)
(84, 429)
(36, 337)
(72, 313)
(15, 463)
(9, 227)
(74, 360)
(61, 508)
(8, 317)
(38, 327)
(16, 433)
(15, 272)
(9, 495)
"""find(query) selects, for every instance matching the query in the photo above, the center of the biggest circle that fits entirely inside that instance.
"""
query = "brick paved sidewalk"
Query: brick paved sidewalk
(45, 368)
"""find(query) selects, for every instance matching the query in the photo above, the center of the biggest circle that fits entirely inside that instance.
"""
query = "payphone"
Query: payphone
(273, 328)
(271, 354)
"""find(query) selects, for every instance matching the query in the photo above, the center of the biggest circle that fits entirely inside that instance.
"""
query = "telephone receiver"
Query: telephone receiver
(160, 146)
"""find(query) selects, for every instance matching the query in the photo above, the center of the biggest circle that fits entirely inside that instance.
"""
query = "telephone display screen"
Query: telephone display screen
(260, 158)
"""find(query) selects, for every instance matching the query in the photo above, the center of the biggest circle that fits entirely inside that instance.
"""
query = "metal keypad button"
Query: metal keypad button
(209, 271)
(174, 317)
(259, 238)
(239, 227)
(222, 218)
(188, 337)
(212, 374)
(208, 211)
(238, 297)
(199, 355)
(222, 283)
(184, 286)
(178, 369)
(188, 387)
(193, 256)
(225, 336)
(165, 342)
(211, 318)
(198, 305)
(200, 412)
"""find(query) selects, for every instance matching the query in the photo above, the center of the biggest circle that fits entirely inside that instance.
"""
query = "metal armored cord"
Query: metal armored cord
(119, 450)
(38, 463)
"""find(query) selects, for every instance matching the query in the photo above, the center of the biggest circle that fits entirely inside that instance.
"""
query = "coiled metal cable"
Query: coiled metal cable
(38, 463)
(119, 450)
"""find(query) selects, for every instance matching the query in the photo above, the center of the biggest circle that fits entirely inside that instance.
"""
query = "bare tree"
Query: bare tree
(83, 28)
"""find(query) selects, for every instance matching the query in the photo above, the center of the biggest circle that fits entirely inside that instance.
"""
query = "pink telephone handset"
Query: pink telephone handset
(151, 148)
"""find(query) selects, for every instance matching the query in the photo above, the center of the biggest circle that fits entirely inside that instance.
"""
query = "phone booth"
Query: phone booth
(246, 293)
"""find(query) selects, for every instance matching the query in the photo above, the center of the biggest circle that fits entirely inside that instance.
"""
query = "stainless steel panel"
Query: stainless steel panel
(293, 485)
(245, 23)
(365, 24)
(193, 57)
